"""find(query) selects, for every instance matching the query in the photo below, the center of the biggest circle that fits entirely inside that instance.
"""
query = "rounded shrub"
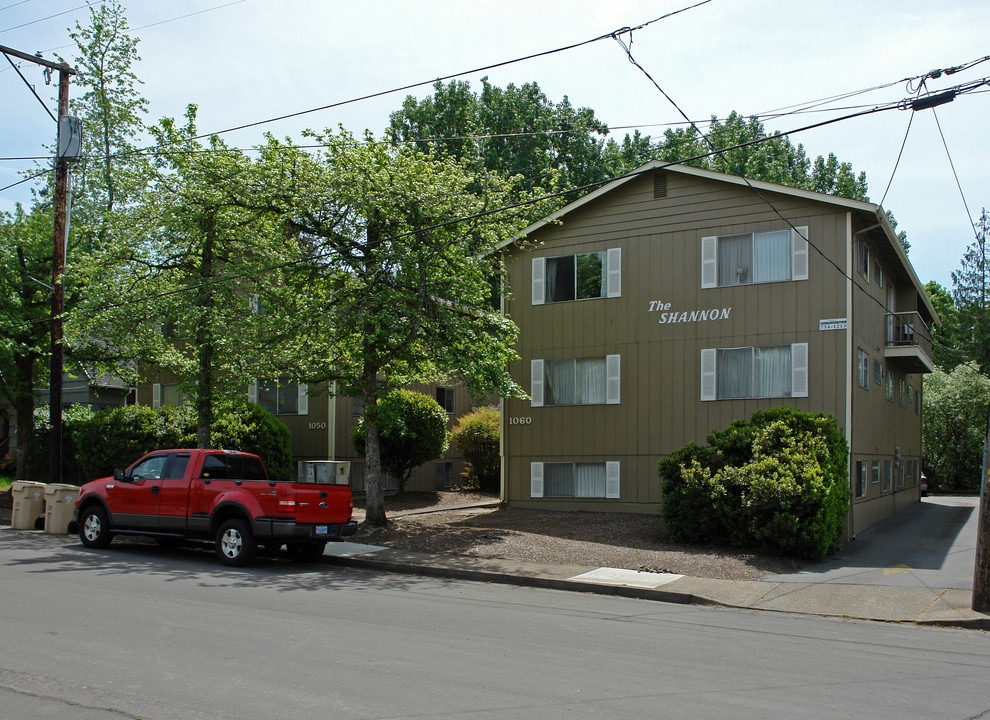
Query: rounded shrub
(477, 437)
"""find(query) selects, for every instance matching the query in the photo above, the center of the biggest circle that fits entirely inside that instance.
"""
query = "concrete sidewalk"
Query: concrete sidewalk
(916, 567)
(949, 607)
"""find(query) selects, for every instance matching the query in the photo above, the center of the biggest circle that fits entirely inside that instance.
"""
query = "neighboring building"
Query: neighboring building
(322, 424)
(673, 301)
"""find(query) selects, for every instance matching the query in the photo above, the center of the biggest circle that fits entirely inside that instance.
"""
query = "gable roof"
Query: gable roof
(871, 211)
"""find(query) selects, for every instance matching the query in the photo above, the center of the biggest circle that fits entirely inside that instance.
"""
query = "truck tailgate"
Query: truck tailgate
(322, 504)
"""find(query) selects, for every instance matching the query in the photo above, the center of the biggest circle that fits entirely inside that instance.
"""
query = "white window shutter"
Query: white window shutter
(156, 395)
(303, 399)
(799, 253)
(612, 480)
(613, 280)
(612, 368)
(536, 383)
(799, 370)
(708, 365)
(536, 480)
(709, 262)
(253, 392)
(539, 280)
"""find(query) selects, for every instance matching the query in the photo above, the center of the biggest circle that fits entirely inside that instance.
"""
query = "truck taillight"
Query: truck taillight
(287, 504)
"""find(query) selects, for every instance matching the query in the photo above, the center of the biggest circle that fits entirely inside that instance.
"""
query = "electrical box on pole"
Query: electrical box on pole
(69, 138)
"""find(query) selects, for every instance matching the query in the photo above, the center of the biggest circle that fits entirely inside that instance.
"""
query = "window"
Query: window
(877, 372)
(233, 467)
(888, 475)
(749, 258)
(575, 381)
(754, 372)
(902, 391)
(863, 260)
(280, 397)
(878, 273)
(875, 473)
(917, 402)
(167, 394)
(577, 277)
(863, 369)
(861, 466)
(889, 387)
(445, 398)
(578, 480)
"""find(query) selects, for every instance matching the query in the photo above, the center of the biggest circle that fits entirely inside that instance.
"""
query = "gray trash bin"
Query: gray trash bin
(29, 504)
(60, 500)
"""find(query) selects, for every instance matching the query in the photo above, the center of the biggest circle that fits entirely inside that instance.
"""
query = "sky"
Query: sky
(249, 61)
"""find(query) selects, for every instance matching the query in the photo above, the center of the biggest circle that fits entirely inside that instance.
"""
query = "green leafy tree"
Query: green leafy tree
(25, 321)
(741, 146)
(955, 410)
(477, 437)
(970, 292)
(517, 130)
(402, 249)
(181, 290)
(413, 430)
(949, 340)
(113, 171)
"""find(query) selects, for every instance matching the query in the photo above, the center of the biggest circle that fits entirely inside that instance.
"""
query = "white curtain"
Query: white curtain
(772, 371)
(590, 479)
(560, 381)
(551, 278)
(772, 256)
(735, 259)
(590, 381)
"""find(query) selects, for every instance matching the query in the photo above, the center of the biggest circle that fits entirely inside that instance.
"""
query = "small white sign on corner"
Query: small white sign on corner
(833, 324)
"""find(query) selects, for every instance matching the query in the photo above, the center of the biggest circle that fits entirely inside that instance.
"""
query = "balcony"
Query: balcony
(909, 343)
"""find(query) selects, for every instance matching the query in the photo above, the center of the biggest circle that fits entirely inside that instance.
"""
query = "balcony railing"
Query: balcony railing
(909, 342)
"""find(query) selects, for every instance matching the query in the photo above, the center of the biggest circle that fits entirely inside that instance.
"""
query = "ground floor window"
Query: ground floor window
(574, 480)
(281, 397)
(861, 475)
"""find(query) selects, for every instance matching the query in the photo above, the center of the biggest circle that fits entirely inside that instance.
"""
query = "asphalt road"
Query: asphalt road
(138, 632)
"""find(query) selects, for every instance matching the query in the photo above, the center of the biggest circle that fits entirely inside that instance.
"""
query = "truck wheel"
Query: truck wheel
(308, 552)
(235, 544)
(94, 528)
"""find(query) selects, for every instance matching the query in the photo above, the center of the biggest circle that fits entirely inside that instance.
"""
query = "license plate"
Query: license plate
(322, 530)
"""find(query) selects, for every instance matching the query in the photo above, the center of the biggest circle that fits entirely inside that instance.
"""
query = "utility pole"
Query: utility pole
(981, 576)
(68, 148)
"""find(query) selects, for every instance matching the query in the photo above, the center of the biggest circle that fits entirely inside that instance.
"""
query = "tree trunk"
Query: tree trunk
(24, 410)
(374, 497)
(204, 339)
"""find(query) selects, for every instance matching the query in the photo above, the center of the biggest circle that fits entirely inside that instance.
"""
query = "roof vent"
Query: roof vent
(659, 184)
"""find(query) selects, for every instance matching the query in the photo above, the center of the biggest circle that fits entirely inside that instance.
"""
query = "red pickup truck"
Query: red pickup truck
(218, 495)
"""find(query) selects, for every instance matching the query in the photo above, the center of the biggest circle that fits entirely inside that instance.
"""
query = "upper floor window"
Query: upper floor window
(168, 394)
(575, 381)
(863, 369)
(863, 260)
(754, 372)
(759, 257)
(281, 397)
(577, 277)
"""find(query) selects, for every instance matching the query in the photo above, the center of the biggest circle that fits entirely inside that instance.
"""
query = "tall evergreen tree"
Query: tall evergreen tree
(970, 290)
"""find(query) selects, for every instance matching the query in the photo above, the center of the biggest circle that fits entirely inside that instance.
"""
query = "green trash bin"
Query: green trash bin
(60, 500)
(29, 504)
